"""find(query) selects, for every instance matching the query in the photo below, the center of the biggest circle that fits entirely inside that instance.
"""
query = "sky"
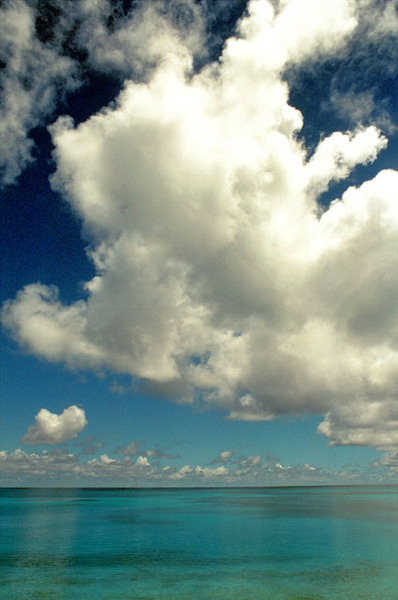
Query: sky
(199, 215)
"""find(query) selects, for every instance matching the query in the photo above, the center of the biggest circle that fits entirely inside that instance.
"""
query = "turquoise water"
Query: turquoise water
(209, 544)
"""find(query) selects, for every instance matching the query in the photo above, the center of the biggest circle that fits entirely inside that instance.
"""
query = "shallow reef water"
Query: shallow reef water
(309, 543)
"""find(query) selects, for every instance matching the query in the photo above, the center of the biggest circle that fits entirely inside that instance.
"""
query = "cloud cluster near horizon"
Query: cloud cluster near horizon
(143, 466)
(61, 467)
(217, 274)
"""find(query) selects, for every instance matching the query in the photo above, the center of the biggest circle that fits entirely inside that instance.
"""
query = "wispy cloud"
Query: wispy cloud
(134, 448)
(29, 82)
(224, 457)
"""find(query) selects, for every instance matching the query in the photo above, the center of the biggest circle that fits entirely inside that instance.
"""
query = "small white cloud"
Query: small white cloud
(142, 461)
(50, 428)
(198, 473)
(208, 473)
(106, 460)
(281, 467)
(309, 467)
(226, 455)
(182, 473)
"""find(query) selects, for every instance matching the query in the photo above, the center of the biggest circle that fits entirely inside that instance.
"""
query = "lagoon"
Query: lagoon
(308, 543)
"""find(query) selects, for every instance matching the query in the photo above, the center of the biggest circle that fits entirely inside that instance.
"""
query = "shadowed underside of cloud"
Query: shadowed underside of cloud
(217, 275)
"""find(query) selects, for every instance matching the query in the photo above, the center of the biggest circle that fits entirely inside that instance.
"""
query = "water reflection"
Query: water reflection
(44, 525)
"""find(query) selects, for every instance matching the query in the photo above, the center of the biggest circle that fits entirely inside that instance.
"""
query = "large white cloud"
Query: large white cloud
(50, 428)
(46, 48)
(216, 272)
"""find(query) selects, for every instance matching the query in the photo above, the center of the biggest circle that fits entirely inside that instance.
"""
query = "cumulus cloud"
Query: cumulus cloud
(197, 473)
(142, 461)
(362, 424)
(217, 274)
(60, 467)
(50, 428)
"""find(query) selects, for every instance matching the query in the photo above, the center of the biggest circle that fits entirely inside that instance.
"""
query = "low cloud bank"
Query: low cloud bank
(61, 467)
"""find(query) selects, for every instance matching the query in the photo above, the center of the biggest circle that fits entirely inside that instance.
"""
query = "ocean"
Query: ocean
(308, 543)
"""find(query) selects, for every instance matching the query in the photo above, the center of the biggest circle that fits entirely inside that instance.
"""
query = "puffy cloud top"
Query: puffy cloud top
(50, 428)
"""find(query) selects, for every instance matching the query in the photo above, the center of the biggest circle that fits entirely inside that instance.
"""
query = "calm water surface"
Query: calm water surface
(237, 544)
